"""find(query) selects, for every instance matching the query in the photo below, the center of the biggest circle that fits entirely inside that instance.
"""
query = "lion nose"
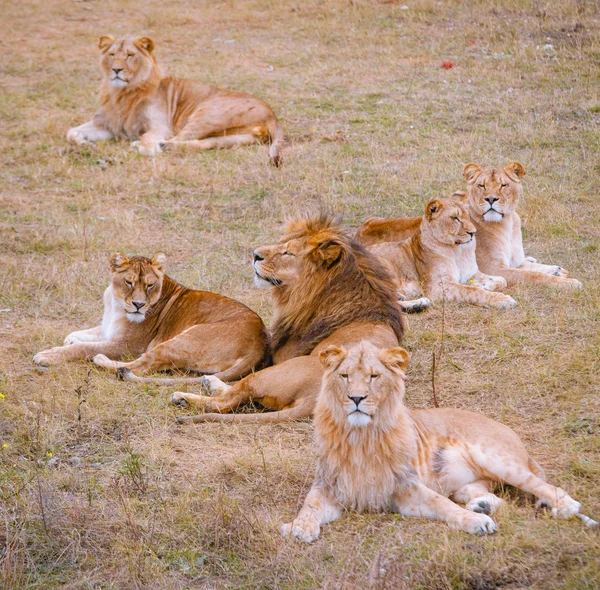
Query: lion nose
(357, 399)
(138, 304)
(491, 199)
(471, 233)
(117, 70)
(257, 257)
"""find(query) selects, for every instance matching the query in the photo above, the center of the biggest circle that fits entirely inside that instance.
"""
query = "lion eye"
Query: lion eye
(129, 284)
(456, 219)
(503, 185)
(111, 54)
(286, 253)
(148, 287)
(374, 376)
(344, 376)
(481, 185)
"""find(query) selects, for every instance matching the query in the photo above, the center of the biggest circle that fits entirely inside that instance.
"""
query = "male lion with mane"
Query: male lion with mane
(326, 290)
(138, 102)
(375, 454)
(147, 313)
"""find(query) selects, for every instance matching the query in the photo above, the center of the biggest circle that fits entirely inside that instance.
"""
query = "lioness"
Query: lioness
(326, 290)
(375, 454)
(491, 199)
(439, 259)
(138, 102)
(147, 313)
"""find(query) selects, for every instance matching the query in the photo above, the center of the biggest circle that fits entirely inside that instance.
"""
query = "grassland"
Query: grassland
(98, 487)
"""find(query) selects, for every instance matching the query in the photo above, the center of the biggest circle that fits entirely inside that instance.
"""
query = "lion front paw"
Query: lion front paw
(495, 283)
(76, 136)
(103, 361)
(178, 398)
(565, 505)
(48, 357)
(476, 524)
(304, 529)
(148, 149)
(213, 385)
(501, 301)
(571, 284)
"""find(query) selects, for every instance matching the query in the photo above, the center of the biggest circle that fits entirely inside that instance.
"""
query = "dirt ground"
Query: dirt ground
(99, 488)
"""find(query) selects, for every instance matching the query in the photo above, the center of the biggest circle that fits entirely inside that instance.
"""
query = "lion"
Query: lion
(374, 454)
(138, 102)
(150, 316)
(491, 200)
(326, 290)
(439, 260)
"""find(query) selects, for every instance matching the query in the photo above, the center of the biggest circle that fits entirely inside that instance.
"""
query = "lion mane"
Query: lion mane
(340, 283)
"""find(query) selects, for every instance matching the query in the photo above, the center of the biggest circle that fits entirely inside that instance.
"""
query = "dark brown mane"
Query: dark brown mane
(341, 283)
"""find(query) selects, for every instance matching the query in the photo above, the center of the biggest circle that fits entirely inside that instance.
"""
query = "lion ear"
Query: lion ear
(332, 356)
(329, 252)
(433, 208)
(515, 170)
(470, 172)
(117, 260)
(158, 261)
(144, 43)
(105, 42)
(395, 359)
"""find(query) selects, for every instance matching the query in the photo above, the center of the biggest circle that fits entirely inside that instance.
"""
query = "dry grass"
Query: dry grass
(376, 126)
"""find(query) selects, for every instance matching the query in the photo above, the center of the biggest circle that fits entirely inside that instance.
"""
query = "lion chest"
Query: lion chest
(466, 262)
(114, 321)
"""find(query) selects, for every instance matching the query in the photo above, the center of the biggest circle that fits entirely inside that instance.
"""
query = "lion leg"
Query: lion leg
(90, 335)
(468, 294)
(88, 132)
(275, 388)
(318, 509)
(549, 269)
(78, 350)
(419, 500)
(202, 348)
(477, 497)
(212, 143)
(487, 282)
(514, 276)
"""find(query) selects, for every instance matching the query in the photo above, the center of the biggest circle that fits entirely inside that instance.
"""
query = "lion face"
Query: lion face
(127, 62)
(363, 382)
(494, 192)
(449, 222)
(136, 283)
(305, 245)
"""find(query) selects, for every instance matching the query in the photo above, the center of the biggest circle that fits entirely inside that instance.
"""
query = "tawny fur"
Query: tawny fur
(138, 102)
(375, 454)
(491, 199)
(439, 259)
(326, 290)
(146, 313)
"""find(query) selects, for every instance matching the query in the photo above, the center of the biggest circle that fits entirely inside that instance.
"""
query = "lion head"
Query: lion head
(136, 283)
(493, 191)
(448, 221)
(363, 385)
(128, 62)
(321, 280)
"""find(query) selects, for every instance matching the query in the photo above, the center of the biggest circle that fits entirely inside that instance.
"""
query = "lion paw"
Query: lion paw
(48, 357)
(486, 504)
(494, 283)
(305, 530)
(559, 271)
(75, 136)
(530, 259)
(213, 385)
(148, 149)
(178, 398)
(477, 524)
(565, 505)
(571, 284)
(502, 301)
(103, 361)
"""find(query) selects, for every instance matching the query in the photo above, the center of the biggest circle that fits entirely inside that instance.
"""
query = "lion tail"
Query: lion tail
(303, 410)
(277, 141)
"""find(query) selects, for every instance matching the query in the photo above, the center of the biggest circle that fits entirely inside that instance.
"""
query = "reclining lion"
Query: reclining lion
(326, 290)
(438, 260)
(375, 454)
(491, 199)
(138, 102)
(150, 316)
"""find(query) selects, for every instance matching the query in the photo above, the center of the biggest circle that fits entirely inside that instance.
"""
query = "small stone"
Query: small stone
(75, 461)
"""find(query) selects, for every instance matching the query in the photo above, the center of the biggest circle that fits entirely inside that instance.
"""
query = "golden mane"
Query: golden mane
(340, 283)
